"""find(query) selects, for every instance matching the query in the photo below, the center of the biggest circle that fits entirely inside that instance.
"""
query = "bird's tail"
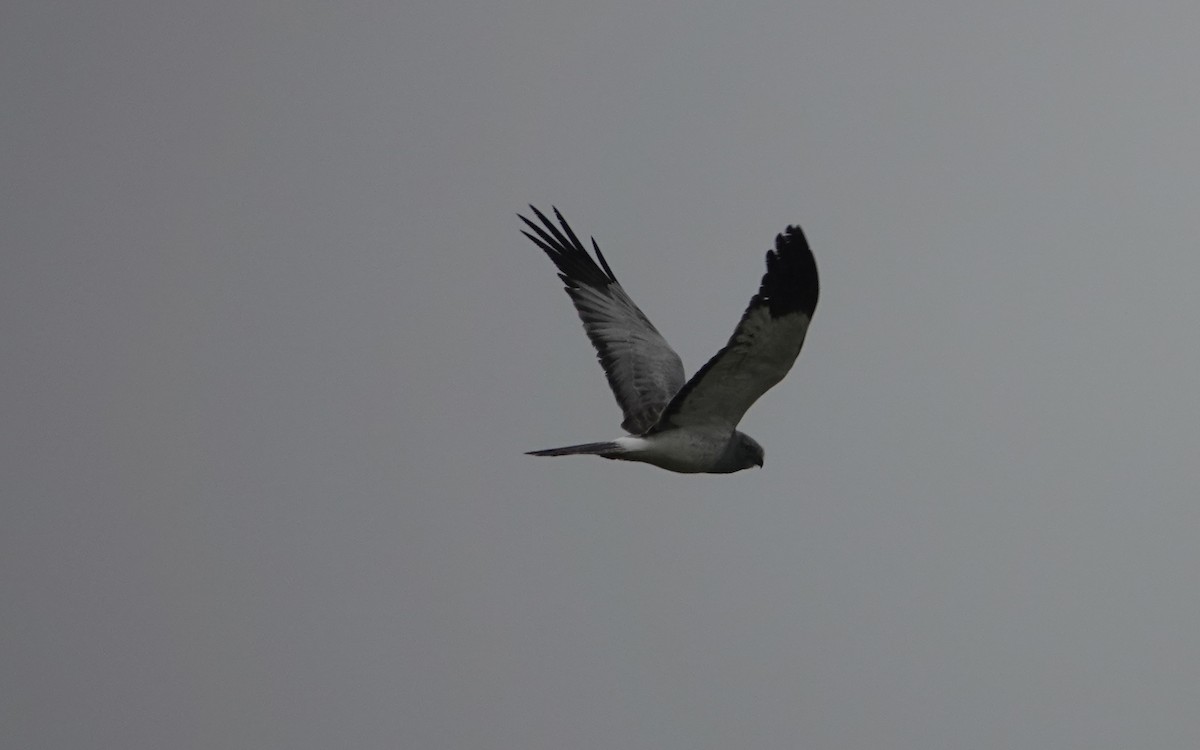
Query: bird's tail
(608, 450)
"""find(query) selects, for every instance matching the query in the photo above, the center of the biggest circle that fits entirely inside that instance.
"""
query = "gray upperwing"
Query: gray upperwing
(763, 347)
(643, 371)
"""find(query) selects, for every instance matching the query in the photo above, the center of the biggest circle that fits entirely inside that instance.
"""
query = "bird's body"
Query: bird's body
(687, 427)
(714, 450)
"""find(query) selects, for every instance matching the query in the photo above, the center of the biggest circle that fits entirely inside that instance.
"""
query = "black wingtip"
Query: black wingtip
(791, 283)
(567, 252)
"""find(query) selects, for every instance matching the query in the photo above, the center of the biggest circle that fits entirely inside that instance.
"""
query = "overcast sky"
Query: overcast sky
(272, 348)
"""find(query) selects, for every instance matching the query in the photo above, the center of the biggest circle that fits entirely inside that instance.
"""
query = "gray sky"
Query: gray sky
(273, 348)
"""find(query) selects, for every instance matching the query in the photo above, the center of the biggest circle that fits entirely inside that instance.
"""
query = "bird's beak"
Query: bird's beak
(760, 463)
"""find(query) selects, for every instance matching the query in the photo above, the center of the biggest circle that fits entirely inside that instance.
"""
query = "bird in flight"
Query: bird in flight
(688, 427)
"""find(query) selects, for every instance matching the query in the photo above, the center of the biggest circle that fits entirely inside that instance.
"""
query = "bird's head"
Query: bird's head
(749, 452)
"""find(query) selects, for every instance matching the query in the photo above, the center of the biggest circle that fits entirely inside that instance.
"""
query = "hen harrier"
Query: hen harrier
(685, 427)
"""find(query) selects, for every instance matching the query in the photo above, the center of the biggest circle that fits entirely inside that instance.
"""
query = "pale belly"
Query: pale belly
(685, 451)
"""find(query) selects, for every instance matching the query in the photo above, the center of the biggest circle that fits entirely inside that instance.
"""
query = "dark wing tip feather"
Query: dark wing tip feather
(790, 283)
(567, 252)
(603, 262)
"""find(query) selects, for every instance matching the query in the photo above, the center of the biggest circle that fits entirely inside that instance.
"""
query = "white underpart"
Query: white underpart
(687, 451)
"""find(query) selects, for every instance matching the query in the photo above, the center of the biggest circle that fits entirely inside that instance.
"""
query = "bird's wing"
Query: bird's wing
(762, 348)
(642, 369)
